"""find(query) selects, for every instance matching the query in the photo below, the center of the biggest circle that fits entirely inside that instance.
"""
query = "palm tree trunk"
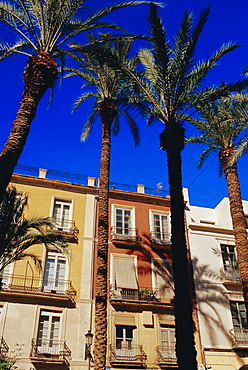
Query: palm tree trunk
(40, 74)
(239, 225)
(172, 140)
(107, 112)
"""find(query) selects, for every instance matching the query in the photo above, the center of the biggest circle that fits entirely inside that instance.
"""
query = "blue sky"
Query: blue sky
(54, 140)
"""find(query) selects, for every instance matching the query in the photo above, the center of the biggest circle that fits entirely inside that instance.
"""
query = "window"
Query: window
(163, 278)
(62, 214)
(49, 333)
(168, 343)
(124, 341)
(230, 262)
(55, 272)
(124, 276)
(123, 222)
(160, 227)
(239, 316)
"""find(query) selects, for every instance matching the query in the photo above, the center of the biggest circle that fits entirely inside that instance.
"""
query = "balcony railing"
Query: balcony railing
(127, 234)
(50, 350)
(239, 338)
(128, 353)
(230, 273)
(67, 227)
(142, 294)
(166, 355)
(160, 238)
(32, 284)
(4, 348)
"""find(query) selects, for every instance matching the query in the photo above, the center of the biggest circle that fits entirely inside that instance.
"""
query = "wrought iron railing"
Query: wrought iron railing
(128, 353)
(32, 284)
(230, 273)
(166, 355)
(239, 338)
(67, 227)
(4, 348)
(49, 349)
(124, 233)
(160, 238)
(142, 294)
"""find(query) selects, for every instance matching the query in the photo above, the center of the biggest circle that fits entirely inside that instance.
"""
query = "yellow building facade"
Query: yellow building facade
(46, 314)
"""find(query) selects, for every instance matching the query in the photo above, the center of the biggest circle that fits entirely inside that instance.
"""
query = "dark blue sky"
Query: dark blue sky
(54, 140)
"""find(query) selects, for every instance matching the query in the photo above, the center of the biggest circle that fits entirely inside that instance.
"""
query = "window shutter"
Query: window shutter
(125, 272)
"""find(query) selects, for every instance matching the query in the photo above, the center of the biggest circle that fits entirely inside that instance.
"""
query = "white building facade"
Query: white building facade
(219, 299)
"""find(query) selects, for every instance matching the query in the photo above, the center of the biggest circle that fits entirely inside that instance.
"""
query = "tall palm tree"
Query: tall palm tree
(107, 91)
(18, 234)
(222, 126)
(166, 90)
(43, 27)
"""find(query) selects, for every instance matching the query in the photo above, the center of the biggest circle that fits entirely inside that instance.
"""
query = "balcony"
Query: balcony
(142, 294)
(161, 240)
(130, 355)
(239, 338)
(26, 285)
(125, 236)
(4, 348)
(67, 228)
(230, 273)
(166, 356)
(48, 351)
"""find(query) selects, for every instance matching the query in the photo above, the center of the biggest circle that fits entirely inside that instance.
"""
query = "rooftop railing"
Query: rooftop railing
(83, 179)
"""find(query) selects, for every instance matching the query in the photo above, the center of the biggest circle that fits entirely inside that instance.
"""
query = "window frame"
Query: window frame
(45, 348)
(132, 218)
(241, 327)
(53, 286)
(152, 213)
(61, 200)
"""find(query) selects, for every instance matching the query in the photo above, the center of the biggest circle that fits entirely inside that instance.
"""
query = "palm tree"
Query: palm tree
(107, 89)
(222, 124)
(166, 90)
(43, 28)
(18, 234)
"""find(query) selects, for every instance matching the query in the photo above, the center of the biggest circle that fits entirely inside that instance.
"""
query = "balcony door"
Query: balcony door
(168, 343)
(55, 272)
(230, 262)
(49, 332)
(62, 214)
(124, 342)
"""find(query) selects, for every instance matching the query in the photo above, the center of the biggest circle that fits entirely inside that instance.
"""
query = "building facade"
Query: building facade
(45, 314)
(220, 303)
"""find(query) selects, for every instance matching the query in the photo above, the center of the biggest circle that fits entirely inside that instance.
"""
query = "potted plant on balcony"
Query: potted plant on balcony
(148, 295)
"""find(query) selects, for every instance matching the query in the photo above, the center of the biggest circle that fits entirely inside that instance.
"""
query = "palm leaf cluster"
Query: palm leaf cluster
(18, 234)
(222, 126)
(172, 80)
(46, 25)
(102, 81)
